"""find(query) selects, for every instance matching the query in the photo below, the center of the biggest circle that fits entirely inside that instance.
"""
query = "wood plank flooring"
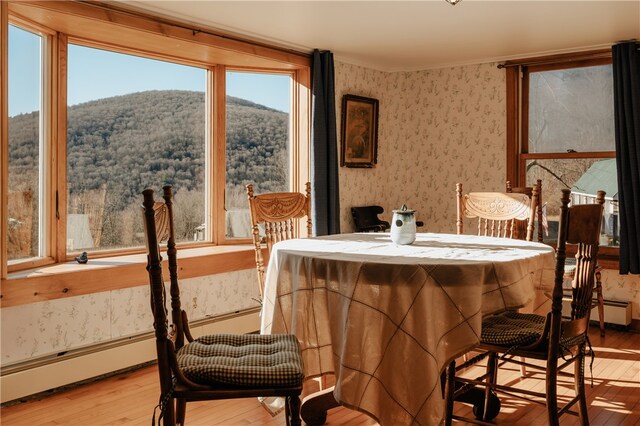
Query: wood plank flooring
(128, 399)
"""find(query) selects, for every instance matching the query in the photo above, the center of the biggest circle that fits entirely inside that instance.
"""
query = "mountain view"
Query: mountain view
(118, 146)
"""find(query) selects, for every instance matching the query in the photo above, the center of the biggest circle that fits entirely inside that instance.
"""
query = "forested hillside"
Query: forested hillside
(118, 146)
(126, 140)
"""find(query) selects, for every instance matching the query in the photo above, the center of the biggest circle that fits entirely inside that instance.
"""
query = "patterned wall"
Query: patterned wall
(436, 128)
(54, 326)
(622, 287)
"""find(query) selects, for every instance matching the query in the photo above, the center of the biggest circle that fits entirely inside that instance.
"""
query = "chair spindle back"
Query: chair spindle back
(277, 212)
(528, 190)
(579, 228)
(497, 213)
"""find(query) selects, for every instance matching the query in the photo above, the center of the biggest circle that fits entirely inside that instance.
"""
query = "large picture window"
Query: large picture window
(142, 126)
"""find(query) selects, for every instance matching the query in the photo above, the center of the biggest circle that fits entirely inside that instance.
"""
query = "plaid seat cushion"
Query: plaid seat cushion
(512, 329)
(569, 266)
(251, 360)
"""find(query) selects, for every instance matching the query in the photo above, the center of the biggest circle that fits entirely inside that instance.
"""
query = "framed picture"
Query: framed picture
(359, 131)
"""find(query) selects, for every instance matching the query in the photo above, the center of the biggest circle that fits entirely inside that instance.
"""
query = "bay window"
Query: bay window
(112, 105)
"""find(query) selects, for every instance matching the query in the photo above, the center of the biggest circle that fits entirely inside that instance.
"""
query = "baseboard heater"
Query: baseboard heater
(615, 312)
(77, 365)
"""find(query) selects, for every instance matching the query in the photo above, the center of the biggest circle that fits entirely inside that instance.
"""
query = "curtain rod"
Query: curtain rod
(184, 26)
(599, 54)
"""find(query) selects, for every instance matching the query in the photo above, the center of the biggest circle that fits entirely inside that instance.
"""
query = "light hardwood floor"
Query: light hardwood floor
(128, 399)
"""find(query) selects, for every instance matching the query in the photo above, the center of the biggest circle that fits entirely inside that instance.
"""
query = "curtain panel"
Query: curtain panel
(626, 85)
(324, 150)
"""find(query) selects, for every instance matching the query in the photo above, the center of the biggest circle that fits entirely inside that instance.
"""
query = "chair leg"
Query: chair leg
(552, 392)
(492, 378)
(600, 300)
(579, 387)
(181, 411)
(169, 417)
(287, 412)
(449, 390)
(292, 406)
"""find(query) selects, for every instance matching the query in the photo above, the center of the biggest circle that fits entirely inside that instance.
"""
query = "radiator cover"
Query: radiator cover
(615, 312)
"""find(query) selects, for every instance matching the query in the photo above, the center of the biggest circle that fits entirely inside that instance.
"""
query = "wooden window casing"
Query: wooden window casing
(127, 31)
(517, 149)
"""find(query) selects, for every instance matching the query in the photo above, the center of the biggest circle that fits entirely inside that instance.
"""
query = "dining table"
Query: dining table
(386, 319)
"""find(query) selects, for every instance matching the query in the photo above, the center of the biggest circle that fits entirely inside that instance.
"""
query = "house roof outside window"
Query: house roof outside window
(600, 176)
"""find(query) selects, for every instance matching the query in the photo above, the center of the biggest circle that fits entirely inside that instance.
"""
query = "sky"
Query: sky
(96, 74)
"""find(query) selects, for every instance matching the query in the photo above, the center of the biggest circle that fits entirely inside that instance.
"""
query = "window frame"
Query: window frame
(517, 80)
(89, 25)
(296, 183)
(62, 184)
(47, 233)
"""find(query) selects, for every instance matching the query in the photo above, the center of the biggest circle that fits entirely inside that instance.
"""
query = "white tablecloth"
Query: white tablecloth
(386, 319)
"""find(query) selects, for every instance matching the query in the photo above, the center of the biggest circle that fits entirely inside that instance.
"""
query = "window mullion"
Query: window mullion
(4, 138)
(59, 162)
(219, 154)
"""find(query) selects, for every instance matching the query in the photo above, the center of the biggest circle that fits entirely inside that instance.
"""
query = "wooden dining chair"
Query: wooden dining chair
(497, 213)
(528, 190)
(218, 366)
(552, 339)
(276, 213)
(598, 300)
(570, 264)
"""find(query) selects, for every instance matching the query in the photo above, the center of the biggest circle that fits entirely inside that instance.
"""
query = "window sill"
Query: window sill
(118, 272)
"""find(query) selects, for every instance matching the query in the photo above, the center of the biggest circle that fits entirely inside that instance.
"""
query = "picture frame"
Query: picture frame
(359, 143)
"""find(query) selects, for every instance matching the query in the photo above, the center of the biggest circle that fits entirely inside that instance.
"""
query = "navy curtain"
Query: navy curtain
(626, 86)
(324, 150)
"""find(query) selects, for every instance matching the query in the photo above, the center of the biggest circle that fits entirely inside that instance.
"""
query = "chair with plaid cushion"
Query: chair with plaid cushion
(552, 339)
(210, 367)
(570, 263)
(274, 218)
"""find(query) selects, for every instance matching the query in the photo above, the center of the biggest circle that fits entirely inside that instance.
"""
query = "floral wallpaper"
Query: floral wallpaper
(54, 326)
(622, 288)
(436, 128)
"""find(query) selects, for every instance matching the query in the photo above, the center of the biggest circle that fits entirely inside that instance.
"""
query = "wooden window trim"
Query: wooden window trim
(569, 155)
(299, 156)
(113, 273)
(517, 74)
(4, 134)
(49, 84)
(558, 60)
(106, 26)
(147, 33)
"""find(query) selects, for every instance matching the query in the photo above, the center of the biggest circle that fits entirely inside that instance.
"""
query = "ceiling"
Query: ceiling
(414, 35)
